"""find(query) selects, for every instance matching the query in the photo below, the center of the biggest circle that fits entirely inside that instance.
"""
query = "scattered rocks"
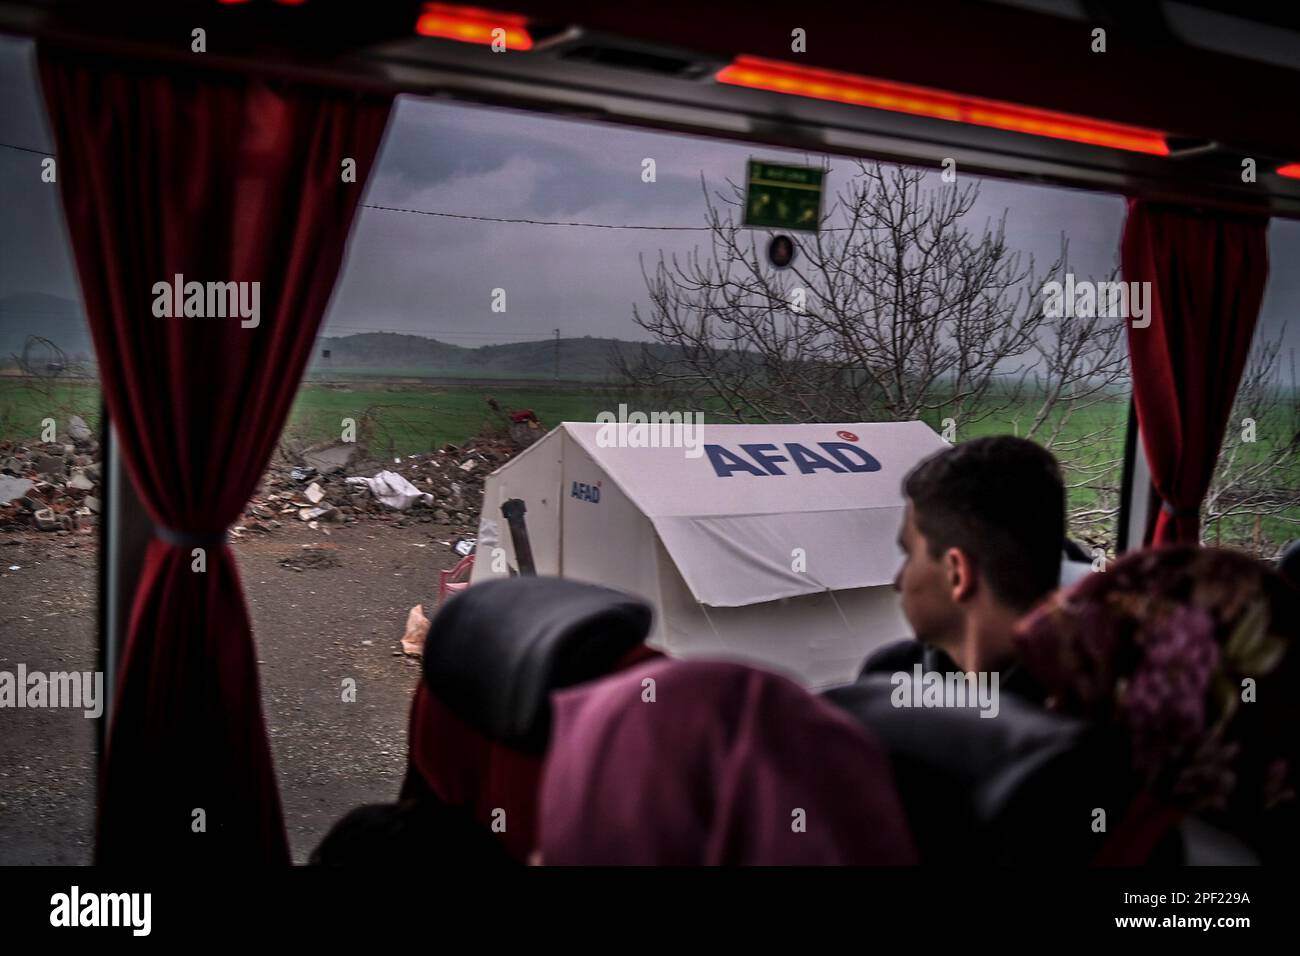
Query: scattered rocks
(47, 484)
(50, 465)
(80, 481)
(53, 487)
(335, 456)
(78, 430)
(11, 488)
(318, 495)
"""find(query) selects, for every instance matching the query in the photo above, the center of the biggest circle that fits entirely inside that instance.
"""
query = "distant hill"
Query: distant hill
(62, 321)
(50, 316)
(416, 355)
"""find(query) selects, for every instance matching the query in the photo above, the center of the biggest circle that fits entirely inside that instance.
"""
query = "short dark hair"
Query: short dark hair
(1001, 501)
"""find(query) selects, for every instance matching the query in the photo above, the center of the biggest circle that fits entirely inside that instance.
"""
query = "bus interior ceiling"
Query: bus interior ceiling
(656, 66)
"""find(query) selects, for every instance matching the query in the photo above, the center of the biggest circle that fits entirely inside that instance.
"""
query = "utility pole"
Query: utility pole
(557, 355)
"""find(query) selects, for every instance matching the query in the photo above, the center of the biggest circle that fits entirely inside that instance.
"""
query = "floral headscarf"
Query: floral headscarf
(1191, 654)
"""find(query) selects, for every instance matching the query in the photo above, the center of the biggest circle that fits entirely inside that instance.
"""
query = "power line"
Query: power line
(583, 225)
(540, 222)
(25, 149)
(471, 218)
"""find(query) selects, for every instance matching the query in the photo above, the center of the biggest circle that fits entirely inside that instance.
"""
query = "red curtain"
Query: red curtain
(1207, 274)
(216, 178)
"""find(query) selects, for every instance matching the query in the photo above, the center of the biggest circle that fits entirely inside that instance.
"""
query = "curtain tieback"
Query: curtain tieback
(1171, 509)
(189, 539)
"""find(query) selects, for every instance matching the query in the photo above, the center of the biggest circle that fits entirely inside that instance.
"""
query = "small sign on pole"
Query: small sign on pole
(781, 196)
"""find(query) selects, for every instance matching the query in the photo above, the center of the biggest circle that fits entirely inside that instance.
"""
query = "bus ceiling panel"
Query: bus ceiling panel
(1203, 174)
(1154, 71)
(656, 67)
(1148, 75)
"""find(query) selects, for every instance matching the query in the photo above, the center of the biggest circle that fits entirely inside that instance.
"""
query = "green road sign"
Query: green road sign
(783, 197)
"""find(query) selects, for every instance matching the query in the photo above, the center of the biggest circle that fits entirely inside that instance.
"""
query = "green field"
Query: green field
(418, 373)
(403, 419)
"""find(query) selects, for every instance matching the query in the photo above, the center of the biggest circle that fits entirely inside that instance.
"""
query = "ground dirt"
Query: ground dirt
(317, 621)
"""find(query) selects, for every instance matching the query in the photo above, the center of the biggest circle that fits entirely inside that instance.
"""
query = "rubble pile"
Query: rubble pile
(51, 486)
(311, 485)
(55, 486)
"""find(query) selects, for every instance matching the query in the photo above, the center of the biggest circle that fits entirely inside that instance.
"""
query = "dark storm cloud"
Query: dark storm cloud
(436, 275)
(33, 242)
(407, 271)
(428, 144)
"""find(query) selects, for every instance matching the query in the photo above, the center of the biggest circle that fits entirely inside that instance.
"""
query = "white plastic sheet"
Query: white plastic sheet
(393, 490)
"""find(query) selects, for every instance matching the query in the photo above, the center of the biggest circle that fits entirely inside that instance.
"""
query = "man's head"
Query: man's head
(981, 537)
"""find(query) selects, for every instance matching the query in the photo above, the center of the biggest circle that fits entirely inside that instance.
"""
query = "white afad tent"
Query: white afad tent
(772, 544)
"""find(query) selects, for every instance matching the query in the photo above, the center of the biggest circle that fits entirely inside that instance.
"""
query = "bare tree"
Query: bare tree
(899, 308)
(1254, 497)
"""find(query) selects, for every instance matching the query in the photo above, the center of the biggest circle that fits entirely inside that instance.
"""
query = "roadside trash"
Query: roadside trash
(302, 474)
(393, 490)
(417, 629)
(456, 579)
(14, 567)
(314, 493)
(465, 546)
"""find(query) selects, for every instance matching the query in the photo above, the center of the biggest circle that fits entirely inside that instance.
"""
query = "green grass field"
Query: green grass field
(418, 373)
(403, 419)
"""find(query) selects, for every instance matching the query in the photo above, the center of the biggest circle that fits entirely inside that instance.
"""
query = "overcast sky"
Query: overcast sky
(435, 275)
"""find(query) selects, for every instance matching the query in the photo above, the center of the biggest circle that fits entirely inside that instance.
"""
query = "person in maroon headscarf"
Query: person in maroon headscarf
(694, 762)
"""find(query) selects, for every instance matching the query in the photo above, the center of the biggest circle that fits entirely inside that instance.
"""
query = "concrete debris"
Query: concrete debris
(11, 488)
(444, 493)
(50, 465)
(61, 484)
(45, 485)
(332, 457)
(79, 431)
(80, 481)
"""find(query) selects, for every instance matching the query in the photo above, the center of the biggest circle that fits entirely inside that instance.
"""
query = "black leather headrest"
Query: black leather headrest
(1017, 787)
(496, 652)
